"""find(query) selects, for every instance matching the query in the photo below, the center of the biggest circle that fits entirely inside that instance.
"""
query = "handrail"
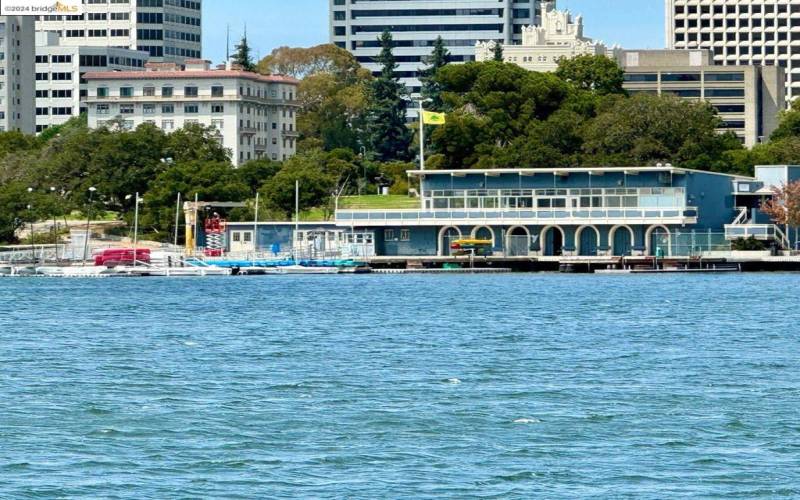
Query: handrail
(783, 238)
(742, 217)
(411, 215)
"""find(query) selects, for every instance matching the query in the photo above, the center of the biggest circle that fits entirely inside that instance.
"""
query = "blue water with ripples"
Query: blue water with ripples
(504, 386)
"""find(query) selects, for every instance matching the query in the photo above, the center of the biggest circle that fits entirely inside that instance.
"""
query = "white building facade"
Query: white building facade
(560, 36)
(254, 114)
(740, 32)
(415, 24)
(60, 89)
(169, 30)
(17, 60)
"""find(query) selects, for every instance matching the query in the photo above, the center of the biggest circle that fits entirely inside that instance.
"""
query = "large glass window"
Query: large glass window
(680, 77)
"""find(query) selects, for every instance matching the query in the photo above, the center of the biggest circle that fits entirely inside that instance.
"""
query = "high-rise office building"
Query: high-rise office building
(61, 90)
(415, 25)
(169, 30)
(740, 32)
(17, 60)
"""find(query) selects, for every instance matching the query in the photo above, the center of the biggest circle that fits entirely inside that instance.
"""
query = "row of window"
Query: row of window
(55, 111)
(419, 28)
(389, 235)
(56, 76)
(355, 14)
(54, 94)
(191, 91)
(698, 93)
(684, 77)
(741, 23)
(737, 37)
(732, 9)
(168, 109)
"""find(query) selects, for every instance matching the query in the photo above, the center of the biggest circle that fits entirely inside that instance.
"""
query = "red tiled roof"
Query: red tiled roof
(187, 75)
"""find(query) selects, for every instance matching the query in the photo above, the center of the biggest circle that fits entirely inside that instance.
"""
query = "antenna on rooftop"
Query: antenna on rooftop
(228, 43)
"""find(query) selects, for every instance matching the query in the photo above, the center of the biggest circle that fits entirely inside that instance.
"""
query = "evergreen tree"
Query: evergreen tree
(388, 134)
(431, 89)
(498, 52)
(243, 56)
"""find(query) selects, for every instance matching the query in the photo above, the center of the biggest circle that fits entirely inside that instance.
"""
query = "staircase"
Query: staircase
(743, 228)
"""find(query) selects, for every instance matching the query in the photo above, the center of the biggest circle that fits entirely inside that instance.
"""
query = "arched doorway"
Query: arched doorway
(621, 238)
(588, 239)
(483, 233)
(552, 241)
(518, 242)
(447, 235)
(659, 241)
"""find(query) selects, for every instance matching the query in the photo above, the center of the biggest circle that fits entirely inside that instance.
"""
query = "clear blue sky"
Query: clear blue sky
(302, 23)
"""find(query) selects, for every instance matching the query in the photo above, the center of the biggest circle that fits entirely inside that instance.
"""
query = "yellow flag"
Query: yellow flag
(431, 118)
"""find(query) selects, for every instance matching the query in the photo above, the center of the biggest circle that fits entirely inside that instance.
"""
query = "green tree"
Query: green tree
(333, 94)
(597, 73)
(243, 55)
(196, 142)
(255, 172)
(210, 180)
(14, 198)
(645, 129)
(497, 52)
(431, 88)
(316, 185)
(495, 105)
(389, 136)
(789, 124)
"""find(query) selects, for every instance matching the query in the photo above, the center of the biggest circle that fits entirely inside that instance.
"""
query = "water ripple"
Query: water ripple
(515, 386)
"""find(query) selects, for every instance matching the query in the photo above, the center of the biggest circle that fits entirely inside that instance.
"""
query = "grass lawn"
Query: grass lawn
(103, 216)
(378, 202)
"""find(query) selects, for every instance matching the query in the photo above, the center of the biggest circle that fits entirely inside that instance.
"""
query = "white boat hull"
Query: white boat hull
(307, 270)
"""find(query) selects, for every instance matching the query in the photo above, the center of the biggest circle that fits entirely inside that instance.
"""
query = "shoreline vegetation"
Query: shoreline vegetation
(354, 140)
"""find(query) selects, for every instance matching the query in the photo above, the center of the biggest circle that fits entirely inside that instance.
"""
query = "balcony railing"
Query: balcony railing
(684, 215)
(763, 232)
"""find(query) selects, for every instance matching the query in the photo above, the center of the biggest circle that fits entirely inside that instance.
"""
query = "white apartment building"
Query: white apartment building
(560, 36)
(169, 30)
(740, 32)
(60, 88)
(16, 73)
(356, 25)
(254, 114)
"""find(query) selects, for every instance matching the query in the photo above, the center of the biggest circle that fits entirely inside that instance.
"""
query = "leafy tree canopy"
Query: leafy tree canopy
(597, 73)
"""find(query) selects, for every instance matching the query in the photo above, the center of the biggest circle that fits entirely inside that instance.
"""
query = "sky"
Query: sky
(634, 24)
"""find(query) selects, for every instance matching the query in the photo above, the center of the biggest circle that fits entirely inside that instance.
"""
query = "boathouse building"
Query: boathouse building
(546, 214)
(658, 210)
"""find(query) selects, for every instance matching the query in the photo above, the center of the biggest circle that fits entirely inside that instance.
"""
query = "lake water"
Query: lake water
(505, 386)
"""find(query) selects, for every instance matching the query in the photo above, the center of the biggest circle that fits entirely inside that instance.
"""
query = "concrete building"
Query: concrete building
(254, 114)
(60, 88)
(740, 32)
(747, 98)
(560, 36)
(17, 60)
(169, 30)
(415, 25)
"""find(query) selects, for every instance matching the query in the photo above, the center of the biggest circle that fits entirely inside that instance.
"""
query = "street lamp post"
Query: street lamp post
(88, 222)
(135, 226)
(55, 226)
(30, 216)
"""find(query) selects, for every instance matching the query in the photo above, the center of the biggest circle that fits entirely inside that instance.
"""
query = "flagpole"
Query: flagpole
(421, 136)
